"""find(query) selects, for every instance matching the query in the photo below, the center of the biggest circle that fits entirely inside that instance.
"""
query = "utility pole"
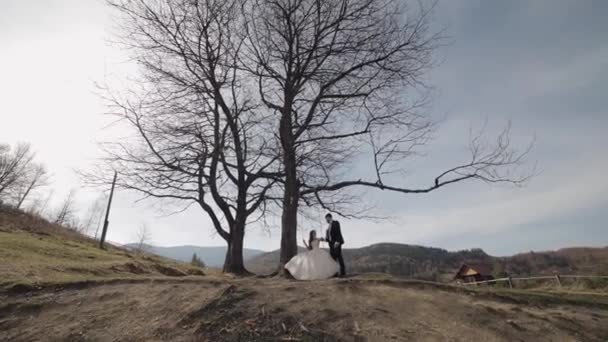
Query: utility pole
(106, 222)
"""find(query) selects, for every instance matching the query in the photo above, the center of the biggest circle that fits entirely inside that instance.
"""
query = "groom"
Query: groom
(335, 240)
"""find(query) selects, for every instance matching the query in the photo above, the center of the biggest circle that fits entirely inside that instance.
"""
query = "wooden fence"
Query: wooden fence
(558, 278)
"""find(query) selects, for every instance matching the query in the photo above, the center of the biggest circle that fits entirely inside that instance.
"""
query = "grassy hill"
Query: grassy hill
(153, 300)
(36, 252)
(212, 256)
(437, 264)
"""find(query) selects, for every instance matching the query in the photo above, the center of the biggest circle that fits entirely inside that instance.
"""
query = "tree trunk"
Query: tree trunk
(289, 217)
(234, 254)
(25, 194)
(289, 224)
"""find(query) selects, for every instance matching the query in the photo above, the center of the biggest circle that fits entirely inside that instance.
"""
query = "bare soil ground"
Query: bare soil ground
(56, 285)
(362, 308)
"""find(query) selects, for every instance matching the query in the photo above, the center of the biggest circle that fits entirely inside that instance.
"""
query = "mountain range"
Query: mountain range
(418, 262)
(211, 256)
(438, 264)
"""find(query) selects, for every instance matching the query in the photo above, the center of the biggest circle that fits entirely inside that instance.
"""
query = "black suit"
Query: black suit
(334, 234)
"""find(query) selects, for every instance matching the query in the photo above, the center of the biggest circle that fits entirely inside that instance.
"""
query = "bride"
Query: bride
(314, 264)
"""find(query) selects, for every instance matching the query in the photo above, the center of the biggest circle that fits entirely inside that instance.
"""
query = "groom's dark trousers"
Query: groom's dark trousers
(334, 234)
(336, 253)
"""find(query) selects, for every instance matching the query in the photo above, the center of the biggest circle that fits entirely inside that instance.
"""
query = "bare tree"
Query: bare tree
(36, 176)
(230, 87)
(143, 237)
(94, 215)
(66, 213)
(198, 138)
(344, 79)
(20, 176)
(14, 164)
(40, 204)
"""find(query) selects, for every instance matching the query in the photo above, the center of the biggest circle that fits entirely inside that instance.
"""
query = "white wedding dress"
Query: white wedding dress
(313, 264)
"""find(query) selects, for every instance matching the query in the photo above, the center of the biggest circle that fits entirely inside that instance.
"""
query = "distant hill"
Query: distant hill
(580, 260)
(211, 256)
(440, 265)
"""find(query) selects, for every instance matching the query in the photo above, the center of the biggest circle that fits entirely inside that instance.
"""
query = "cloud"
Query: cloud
(556, 195)
(504, 54)
(538, 78)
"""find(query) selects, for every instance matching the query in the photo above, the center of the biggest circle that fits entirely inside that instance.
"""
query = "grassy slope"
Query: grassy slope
(35, 252)
(537, 296)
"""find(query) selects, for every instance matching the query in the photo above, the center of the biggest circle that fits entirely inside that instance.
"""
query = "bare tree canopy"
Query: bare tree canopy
(66, 213)
(143, 237)
(36, 177)
(198, 137)
(243, 104)
(344, 78)
(20, 176)
(93, 217)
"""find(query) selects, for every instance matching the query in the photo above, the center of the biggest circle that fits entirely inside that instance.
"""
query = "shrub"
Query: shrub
(196, 261)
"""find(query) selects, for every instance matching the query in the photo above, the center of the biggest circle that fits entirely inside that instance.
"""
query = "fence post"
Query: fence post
(559, 281)
(510, 283)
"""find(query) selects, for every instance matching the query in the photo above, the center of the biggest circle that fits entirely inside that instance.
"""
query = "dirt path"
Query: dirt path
(281, 310)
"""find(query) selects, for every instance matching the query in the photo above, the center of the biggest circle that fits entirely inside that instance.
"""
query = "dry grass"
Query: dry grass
(364, 308)
(35, 253)
(114, 294)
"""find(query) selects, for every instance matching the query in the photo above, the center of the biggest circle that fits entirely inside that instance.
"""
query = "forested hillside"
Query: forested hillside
(439, 264)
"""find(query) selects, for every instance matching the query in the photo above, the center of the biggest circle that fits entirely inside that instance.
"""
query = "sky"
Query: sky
(541, 65)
